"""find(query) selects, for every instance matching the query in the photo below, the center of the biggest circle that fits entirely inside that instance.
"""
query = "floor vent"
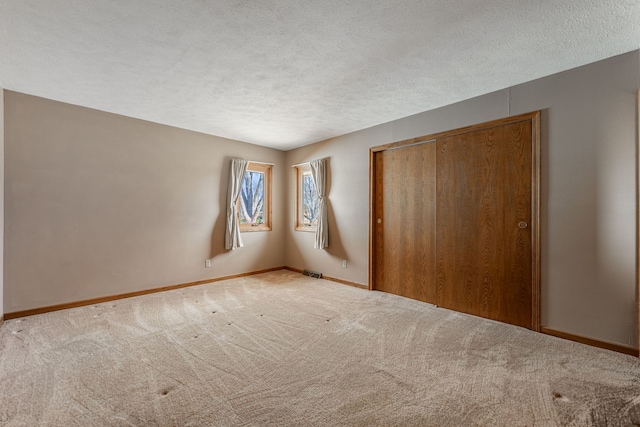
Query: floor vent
(311, 273)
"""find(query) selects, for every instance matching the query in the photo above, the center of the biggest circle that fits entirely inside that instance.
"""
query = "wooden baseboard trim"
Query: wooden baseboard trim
(346, 282)
(1, 320)
(100, 300)
(295, 270)
(590, 341)
(333, 279)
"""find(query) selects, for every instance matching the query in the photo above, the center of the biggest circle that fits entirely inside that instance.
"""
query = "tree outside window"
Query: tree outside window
(306, 200)
(255, 198)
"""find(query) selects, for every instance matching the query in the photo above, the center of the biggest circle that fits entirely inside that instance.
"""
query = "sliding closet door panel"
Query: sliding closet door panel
(404, 222)
(483, 230)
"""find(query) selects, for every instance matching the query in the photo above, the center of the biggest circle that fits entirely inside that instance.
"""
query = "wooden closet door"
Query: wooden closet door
(484, 218)
(404, 222)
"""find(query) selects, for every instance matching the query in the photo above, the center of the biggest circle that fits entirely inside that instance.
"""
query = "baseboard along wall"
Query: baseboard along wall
(65, 306)
(591, 341)
(100, 300)
(548, 331)
(333, 279)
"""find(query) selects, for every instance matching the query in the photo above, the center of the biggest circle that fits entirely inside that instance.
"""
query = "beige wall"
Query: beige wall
(99, 204)
(1, 200)
(348, 166)
(588, 196)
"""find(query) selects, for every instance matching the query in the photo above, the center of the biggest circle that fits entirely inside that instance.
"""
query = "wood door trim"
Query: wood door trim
(479, 126)
(536, 261)
(534, 117)
(372, 214)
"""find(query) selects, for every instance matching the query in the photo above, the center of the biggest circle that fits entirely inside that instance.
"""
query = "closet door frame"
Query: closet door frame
(375, 191)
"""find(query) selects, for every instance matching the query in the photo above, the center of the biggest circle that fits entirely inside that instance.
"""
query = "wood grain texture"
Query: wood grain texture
(483, 193)
(484, 262)
(376, 255)
(536, 273)
(405, 236)
(467, 129)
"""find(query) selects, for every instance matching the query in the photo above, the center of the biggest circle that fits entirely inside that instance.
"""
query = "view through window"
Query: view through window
(307, 200)
(255, 198)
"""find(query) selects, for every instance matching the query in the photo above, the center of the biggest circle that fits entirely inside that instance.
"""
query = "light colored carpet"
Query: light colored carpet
(282, 349)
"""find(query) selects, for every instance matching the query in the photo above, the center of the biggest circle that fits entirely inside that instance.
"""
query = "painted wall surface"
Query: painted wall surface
(588, 196)
(99, 204)
(348, 185)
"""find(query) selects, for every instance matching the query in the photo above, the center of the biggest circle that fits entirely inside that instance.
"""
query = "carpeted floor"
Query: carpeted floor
(282, 349)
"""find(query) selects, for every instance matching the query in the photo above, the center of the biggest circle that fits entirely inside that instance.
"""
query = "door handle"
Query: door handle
(522, 224)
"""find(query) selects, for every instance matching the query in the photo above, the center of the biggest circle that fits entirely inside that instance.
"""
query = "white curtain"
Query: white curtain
(232, 238)
(319, 175)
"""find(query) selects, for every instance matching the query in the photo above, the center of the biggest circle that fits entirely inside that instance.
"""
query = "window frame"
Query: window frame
(301, 171)
(267, 170)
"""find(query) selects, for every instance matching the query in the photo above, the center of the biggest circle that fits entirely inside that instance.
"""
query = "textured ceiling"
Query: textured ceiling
(285, 73)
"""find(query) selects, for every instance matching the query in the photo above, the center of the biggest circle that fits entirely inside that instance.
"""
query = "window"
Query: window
(255, 198)
(306, 200)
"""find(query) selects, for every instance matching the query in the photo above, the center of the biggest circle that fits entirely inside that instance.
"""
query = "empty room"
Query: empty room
(279, 213)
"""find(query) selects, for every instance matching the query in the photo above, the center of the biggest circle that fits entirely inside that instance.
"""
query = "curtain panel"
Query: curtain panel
(233, 238)
(319, 175)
